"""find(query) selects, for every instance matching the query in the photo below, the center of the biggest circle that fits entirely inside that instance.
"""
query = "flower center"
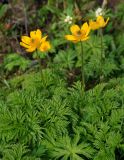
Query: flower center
(78, 33)
(35, 42)
(32, 40)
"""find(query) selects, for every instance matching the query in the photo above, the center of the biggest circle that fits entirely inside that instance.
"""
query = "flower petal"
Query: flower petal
(43, 39)
(33, 34)
(45, 46)
(31, 49)
(74, 29)
(93, 25)
(106, 21)
(85, 28)
(24, 45)
(38, 33)
(26, 39)
(84, 39)
(70, 37)
(100, 21)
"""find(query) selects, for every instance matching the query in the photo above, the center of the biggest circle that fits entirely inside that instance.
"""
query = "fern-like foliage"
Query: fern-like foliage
(45, 119)
(65, 148)
(66, 59)
(14, 60)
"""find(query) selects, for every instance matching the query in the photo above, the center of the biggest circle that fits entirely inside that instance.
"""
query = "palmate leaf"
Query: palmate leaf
(65, 148)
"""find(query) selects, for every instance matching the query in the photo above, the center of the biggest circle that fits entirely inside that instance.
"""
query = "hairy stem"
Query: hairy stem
(102, 56)
(82, 68)
(40, 66)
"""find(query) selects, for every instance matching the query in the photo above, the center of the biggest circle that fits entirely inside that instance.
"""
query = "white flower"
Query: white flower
(65, 20)
(99, 12)
(68, 19)
(70, 22)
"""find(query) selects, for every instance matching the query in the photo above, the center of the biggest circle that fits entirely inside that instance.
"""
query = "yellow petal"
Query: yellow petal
(85, 38)
(100, 18)
(24, 45)
(74, 29)
(26, 39)
(85, 29)
(70, 38)
(106, 21)
(93, 25)
(33, 34)
(31, 49)
(100, 21)
(38, 34)
(45, 46)
(43, 39)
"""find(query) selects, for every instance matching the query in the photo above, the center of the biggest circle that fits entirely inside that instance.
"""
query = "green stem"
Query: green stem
(82, 68)
(102, 56)
(40, 66)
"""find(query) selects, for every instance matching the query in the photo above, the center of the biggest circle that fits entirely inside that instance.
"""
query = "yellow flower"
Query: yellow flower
(45, 46)
(35, 41)
(78, 34)
(99, 23)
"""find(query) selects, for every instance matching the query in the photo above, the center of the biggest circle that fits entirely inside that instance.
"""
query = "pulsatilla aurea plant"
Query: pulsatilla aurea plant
(80, 35)
(35, 42)
(99, 24)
